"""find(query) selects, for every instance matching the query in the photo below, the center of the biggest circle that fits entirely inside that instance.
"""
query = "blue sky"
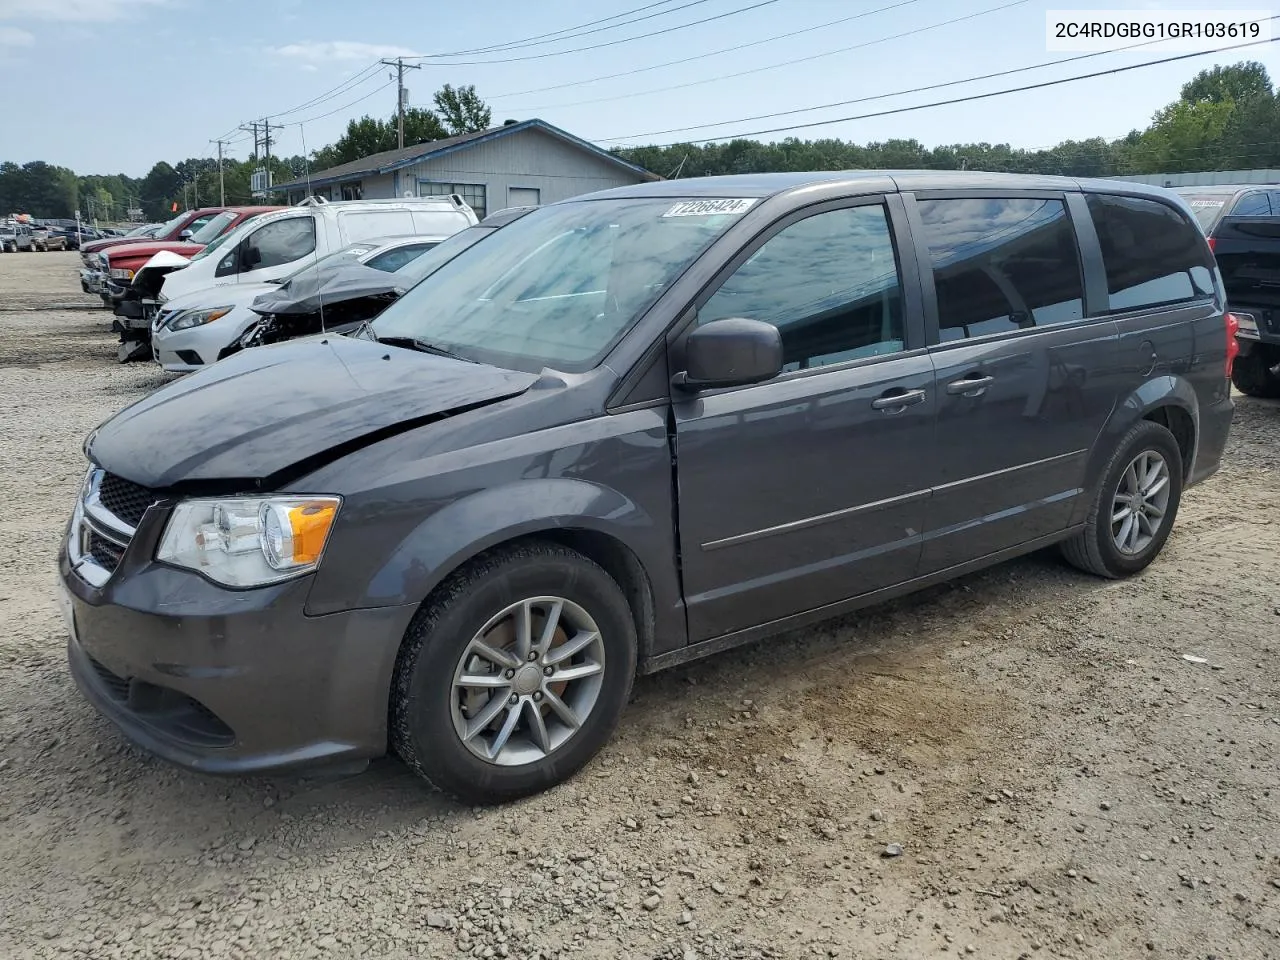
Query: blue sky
(106, 86)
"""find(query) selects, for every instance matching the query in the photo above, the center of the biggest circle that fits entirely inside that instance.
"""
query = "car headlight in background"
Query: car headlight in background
(186, 319)
(249, 541)
(121, 273)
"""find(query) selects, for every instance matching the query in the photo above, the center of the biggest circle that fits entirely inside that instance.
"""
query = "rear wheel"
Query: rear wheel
(1135, 506)
(1254, 373)
(514, 674)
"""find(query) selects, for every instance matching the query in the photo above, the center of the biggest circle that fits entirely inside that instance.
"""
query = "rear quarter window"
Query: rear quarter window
(1152, 254)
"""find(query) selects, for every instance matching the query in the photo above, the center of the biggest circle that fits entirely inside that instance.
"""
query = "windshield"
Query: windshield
(435, 258)
(171, 225)
(558, 287)
(213, 245)
(349, 253)
(213, 228)
(141, 231)
(1207, 207)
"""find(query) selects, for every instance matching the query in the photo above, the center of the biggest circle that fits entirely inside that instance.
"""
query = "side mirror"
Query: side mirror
(731, 352)
(185, 235)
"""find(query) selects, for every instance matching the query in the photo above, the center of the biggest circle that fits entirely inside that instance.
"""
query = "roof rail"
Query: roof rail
(311, 201)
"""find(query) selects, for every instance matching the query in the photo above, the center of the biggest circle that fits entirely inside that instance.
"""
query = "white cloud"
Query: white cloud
(72, 10)
(13, 37)
(333, 51)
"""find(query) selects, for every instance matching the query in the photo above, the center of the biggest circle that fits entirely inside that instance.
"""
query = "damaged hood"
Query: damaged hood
(263, 411)
(308, 292)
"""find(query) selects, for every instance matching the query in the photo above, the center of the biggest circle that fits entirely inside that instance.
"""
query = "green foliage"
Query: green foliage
(462, 110)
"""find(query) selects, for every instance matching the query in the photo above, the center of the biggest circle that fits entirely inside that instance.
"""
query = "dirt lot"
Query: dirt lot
(1061, 781)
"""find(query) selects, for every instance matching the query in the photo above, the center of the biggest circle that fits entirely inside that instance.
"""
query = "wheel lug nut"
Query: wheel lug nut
(538, 695)
(513, 700)
(510, 674)
(533, 655)
(548, 671)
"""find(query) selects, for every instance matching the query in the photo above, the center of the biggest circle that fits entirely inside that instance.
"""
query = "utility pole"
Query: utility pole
(401, 67)
(222, 185)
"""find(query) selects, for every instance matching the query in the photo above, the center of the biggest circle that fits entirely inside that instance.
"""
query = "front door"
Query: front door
(810, 488)
(1025, 378)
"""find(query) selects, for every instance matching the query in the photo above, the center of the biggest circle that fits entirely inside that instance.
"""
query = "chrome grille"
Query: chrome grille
(124, 498)
(103, 524)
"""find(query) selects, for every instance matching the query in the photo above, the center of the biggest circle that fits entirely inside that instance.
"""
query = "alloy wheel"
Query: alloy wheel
(527, 681)
(1140, 502)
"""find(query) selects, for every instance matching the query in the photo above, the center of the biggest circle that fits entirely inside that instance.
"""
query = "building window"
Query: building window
(353, 191)
(473, 194)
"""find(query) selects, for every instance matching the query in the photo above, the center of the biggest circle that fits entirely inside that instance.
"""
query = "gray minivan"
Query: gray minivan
(628, 430)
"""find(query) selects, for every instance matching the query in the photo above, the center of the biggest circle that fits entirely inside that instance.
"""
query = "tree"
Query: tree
(461, 110)
(159, 189)
(1236, 84)
(368, 135)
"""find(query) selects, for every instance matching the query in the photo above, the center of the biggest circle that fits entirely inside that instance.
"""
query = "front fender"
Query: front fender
(467, 527)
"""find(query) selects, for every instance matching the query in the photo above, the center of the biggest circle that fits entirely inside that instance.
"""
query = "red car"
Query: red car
(191, 220)
(118, 264)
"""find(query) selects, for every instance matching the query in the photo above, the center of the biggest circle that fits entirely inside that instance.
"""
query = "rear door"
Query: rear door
(810, 488)
(1026, 375)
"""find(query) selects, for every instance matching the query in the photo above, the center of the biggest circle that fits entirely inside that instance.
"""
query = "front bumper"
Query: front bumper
(229, 681)
(91, 281)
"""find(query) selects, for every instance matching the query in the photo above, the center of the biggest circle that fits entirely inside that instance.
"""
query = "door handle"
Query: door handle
(898, 401)
(969, 386)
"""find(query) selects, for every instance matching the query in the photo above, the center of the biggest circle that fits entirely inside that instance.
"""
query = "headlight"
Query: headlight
(186, 319)
(120, 273)
(249, 542)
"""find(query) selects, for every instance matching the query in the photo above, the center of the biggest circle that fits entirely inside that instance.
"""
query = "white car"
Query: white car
(191, 331)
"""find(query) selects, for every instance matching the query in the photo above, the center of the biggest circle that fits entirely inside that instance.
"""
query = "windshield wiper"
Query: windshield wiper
(424, 346)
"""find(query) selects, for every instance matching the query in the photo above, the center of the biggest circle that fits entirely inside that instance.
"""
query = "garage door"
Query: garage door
(523, 196)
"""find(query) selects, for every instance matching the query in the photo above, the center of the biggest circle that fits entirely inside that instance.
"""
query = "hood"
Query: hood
(256, 416)
(95, 246)
(143, 251)
(232, 294)
(149, 277)
(346, 282)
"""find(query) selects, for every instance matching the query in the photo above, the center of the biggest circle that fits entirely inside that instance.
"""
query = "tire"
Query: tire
(1253, 376)
(429, 709)
(1095, 549)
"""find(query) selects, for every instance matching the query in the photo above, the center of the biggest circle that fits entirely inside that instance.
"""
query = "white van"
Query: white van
(271, 246)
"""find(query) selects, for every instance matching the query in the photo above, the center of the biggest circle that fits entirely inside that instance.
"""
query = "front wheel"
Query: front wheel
(514, 674)
(1135, 506)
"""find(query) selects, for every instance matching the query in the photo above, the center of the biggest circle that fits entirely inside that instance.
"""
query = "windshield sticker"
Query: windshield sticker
(709, 208)
(1207, 203)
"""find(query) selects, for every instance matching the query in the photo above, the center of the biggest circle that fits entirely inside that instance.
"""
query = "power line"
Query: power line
(970, 98)
(786, 63)
(568, 34)
(703, 56)
(898, 93)
(608, 43)
(345, 106)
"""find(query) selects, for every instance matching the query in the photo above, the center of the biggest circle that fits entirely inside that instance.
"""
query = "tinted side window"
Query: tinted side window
(1002, 264)
(830, 285)
(197, 223)
(281, 242)
(393, 260)
(1253, 204)
(1151, 253)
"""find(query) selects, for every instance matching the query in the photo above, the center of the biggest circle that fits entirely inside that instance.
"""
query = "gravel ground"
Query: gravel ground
(1053, 777)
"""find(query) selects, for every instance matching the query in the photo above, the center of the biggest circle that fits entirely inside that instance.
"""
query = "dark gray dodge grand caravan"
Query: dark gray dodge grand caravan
(628, 430)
